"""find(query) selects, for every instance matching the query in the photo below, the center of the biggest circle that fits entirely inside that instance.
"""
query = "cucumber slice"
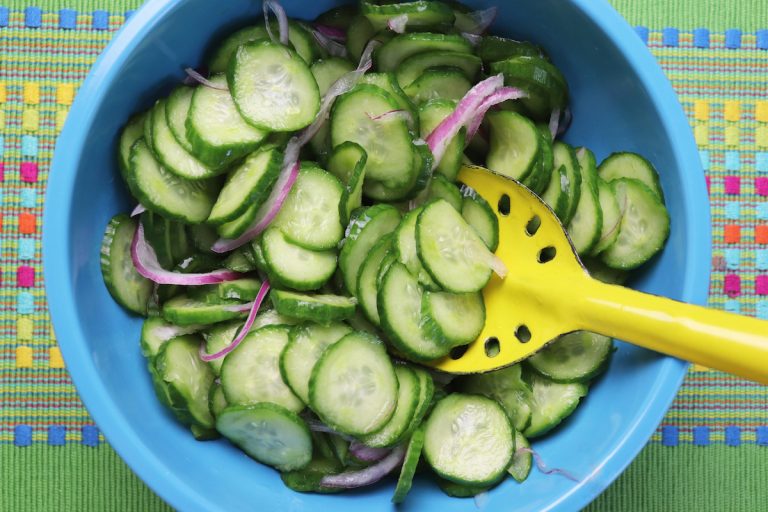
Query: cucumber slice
(217, 402)
(309, 216)
(248, 185)
(359, 32)
(631, 165)
(269, 433)
(522, 461)
(366, 279)
(602, 272)
(168, 238)
(217, 337)
(176, 113)
(347, 162)
(218, 133)
(322, 309)
(494, 48)
(202, 237)
(305, 346)
(416, 65)
(245, 289)
(239, 225)
(452, 319)
(388, 82)
(239, 261)
(393, 53)
(453, 254)
(426, 394)
(609, 206)
(187, 380)
(556, 193)
(155, 332)
(127, 287)
(339, 17)
(565, 156)
(479, 214)
(404, 244)
(364, 230)
(294, 267)
(273, 87)
(184, 310)
(327, 71)
(353, 387)
(439, 83)
(399, 303)
(514, 145)
(421, 14)
(455, 490)
(308, 479)
(539, 179)
(392, 433)
(419, 174)
(587, 223)
(132, 132)
(408, 470)
(535, 74)
(258, 355)
(272, 317)
(165, 193)
(644, 225)
(386, 140)
(440, 188)
(431, 114)
(551, 403)
(468, 440)
(507, 388)
(577, 356)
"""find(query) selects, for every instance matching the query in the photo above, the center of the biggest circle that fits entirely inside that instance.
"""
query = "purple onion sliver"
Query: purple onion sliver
(282, 20)
(565, 121)
(473, 39)
(138, 210)
(197, 77)
(398, 23)
(146, 263)
(367, 453)
(482, 19)
(543, 467)
(554, 123)
(243, 330)
(500, 96)
(367, 476)
(337, 34)
(334, 48)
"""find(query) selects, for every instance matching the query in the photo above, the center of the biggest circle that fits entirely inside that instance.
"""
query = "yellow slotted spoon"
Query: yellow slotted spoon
(547, 293)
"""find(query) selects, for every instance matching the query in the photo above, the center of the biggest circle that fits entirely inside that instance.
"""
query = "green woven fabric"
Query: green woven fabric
(709, 451)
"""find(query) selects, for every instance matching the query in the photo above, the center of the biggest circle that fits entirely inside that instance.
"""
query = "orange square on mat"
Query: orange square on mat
(761, 234)
(27, 223)
(732, 234)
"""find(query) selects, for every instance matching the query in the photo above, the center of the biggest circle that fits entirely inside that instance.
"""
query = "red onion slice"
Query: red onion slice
(543, 467)
(367, 476)
(367, 453)
(197, 77)
(398, 23)
(333, 47)
(465, 111)
(145, 260)
(474, 39)
(254, 309)
(282, 20)
(482, 19)
(138, 210)
(337, 34)
(554, 123)
(500, 96)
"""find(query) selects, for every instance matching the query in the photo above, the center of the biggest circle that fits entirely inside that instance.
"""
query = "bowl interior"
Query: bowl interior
(620, 100)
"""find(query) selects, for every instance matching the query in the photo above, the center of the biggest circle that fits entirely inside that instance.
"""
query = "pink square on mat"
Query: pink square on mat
(29, 172)
(709, 183)
(732, 185)
(2, 171)
(761, 186)
(25, 276)
(732, 285)
(761, 285)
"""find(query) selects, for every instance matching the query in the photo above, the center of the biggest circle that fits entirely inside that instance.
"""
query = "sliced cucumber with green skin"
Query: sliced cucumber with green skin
(408, 470)
(469, 440)
(439, 83)
(359, 33)
(421, 15)
(414, 66)
(453, 319)
(451, 251)
(167, 194)
(218, 133)
(148, 129)
(440, 187)
(551, 403)
(388, 82)
(389, 259)
(339, 17)
(565, 156)
(239, 225)
(431, 114)
(535, 72)
(305, 346)
(539, 179)
(353, 387)
(399, 302)
(272, 317)
(184, 310)
(292, 266)
(363, 231)
(479, 214)
(573, 357)
(132, 132)
(238, 261)
(507, 388)
(420, 173)
(386, 140)
(327, 71)
(322, 309)
(404, 244)
(258, 355)
(347, 162)
(308, 478)
(273, 87)
(309, 216)
(602, 272)
(176, 113)
(127, 287)
(187, 380)
(494, 48)
(202, 237)
(587, 223)
(217, 337)
(217, 402)
(455, 490)
(611, 217)
(522, 461)
(155, 332)
(631, 165)
(393, 53)
(556, 193)
(366, 279)
(167, 237)
(408, 392)
(644, 225)
(269, 433)
(245, 289)
(514, 145)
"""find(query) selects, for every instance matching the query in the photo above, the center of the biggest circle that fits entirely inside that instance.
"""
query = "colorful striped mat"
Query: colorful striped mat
(708, 454)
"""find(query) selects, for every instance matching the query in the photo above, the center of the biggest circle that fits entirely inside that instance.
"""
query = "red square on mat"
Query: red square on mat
(732, 234)
(27, 223)
(25, 276)
(732, 285)
(29, 172)
(732, 185)
(761, 186)
(761, 234)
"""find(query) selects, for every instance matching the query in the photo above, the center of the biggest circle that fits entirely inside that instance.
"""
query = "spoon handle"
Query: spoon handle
(712, 338)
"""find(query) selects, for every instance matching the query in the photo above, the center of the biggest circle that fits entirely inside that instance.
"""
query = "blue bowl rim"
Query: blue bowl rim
(60, 294)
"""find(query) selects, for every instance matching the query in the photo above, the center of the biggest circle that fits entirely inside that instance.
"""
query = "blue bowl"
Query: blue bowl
(621, 101)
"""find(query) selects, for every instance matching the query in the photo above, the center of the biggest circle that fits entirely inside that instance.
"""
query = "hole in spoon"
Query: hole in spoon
(547, 254)
(523, 334)
(458, 352)
(503, 205)
(533, 225)
(492, 346)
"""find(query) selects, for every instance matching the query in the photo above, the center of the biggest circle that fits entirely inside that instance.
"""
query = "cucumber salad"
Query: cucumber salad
(301, 245)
